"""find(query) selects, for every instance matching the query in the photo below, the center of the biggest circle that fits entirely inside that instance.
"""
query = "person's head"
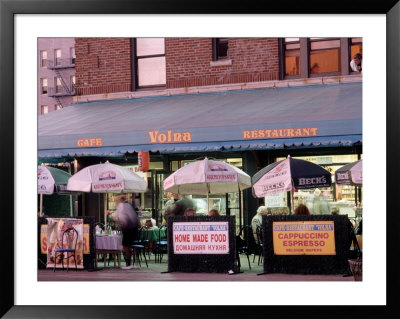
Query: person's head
(213, 212)
(357, 58)
(262, 210)
(335, 211)
(302, 210)
(122, 199)
(189, 212)
(317, 192)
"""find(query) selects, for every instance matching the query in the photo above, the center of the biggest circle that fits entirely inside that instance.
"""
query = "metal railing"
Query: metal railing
(61, 63)
(60, 91)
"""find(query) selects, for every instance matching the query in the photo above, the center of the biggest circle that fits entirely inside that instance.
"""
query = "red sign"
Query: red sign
(143, 161)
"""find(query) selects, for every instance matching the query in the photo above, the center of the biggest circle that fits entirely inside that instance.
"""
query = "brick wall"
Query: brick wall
(189, 62)
(103, 65)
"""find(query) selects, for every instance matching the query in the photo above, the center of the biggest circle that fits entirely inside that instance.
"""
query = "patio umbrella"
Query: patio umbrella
(106, 178)
(206, 177)
(50, 180)
(287, 174)
(350, 174)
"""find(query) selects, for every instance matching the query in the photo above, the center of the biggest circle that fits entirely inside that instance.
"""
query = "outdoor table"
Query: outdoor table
(152, 234)
(109, 245)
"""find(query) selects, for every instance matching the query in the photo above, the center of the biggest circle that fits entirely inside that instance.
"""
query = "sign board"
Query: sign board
(200, 237)
(304, 238)
(43, 239)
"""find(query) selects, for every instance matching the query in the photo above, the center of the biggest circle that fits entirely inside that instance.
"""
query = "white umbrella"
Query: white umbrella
(207, 177)
(105, 178)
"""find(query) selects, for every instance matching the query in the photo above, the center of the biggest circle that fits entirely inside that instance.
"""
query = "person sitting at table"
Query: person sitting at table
(189, 212)
(213, 212)
(128, 222)
(302, 210)
(256, 221)
(151, 223)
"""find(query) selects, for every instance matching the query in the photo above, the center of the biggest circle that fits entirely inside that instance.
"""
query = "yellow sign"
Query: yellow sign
(89, 142)
(280, 133)
(86, 239)
(169, 137)
(304, 238)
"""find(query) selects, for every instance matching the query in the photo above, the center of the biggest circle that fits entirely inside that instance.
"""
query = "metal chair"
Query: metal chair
(69, 241)
(138, 246)
(242, 245)
(259, 245)
(161, 246)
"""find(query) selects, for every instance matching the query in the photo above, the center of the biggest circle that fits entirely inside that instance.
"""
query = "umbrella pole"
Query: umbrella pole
(41, 205)
(208, 209)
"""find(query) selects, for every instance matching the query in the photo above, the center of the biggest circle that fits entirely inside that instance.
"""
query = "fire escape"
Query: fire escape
(59, 66)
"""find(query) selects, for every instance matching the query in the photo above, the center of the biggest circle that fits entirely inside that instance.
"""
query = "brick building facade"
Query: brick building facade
(104, 65)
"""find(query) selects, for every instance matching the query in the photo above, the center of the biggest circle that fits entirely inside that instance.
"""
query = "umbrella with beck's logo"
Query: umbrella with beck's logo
(282, 176)
(350, 174)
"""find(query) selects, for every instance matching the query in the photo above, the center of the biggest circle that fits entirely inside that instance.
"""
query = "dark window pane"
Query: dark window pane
(222, 48)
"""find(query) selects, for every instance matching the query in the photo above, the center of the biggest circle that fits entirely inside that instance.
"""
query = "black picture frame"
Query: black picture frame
(8, 10)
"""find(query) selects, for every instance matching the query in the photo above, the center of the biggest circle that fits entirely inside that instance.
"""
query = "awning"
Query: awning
(273, 118)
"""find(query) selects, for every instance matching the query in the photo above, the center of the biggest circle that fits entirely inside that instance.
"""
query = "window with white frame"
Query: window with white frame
(43, 85)
(72, 83)
(57, 57)
(150, 62)
(43, 58)
(72, 55)
(57, 84)
(44, 109)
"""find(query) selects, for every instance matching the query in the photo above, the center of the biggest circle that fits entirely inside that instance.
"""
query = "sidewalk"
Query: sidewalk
(157, 272)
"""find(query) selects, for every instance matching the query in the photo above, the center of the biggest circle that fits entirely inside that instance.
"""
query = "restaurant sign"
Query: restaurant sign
(304, 238)
(89, 142)
(200, 237)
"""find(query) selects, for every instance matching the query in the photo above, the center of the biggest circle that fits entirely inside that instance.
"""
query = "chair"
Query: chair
(259, 245)
(69, 241)
(161, 246)
(138, 246)
(242, 245)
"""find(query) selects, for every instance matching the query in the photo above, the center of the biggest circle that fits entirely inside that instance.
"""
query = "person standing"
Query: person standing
(128, 223)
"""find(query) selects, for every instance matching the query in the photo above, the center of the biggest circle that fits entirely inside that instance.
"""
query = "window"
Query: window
(57, 84)
(220, 48)
(355, 46)
(292, 56)
(43, 59)
(43, 84)
(324, 55)
(44, 109)
(72, 55)
(57, 57)
(58, 107)
(73, 83)
(150, 57)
